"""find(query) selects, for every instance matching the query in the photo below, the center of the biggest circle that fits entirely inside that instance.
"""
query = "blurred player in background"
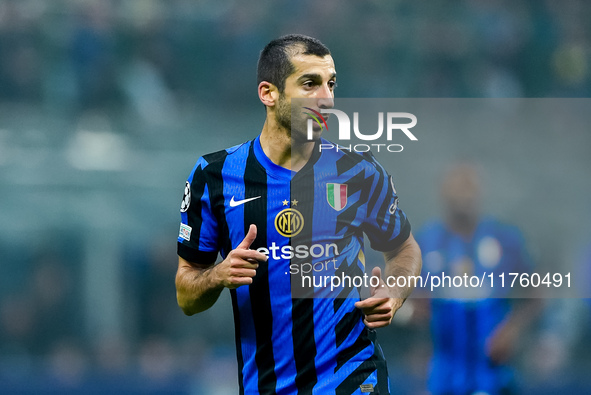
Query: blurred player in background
(252, 203)
(474, 335)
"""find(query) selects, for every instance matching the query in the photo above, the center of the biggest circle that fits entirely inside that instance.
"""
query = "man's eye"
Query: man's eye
(332, 84)
(309, 84)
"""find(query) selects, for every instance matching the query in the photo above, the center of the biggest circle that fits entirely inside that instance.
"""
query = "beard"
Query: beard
(283, 114)
(291, 120)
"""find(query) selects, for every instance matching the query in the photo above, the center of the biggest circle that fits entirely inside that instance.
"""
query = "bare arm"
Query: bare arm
(404, 261)
(380, 307)
(198, 286)
(502, 343)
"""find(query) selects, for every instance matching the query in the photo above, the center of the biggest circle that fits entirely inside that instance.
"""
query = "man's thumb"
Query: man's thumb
(249, 238)
(376, 272)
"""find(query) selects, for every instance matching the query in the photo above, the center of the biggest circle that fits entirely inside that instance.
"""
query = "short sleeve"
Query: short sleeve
(519, 258)
(385, 225)
(198, 233)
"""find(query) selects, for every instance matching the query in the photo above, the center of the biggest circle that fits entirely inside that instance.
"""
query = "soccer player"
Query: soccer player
(274, 208)
(473, 337)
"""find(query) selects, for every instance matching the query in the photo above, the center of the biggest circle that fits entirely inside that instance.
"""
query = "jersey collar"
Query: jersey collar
(277, 171)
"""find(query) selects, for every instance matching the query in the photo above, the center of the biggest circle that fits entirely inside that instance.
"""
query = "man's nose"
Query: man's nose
(325, 97)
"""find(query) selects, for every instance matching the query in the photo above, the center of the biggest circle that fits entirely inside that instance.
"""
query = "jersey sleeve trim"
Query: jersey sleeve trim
(196, 256)
(390, 245)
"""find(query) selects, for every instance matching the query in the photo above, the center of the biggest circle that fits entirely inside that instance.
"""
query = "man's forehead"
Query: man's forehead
(307, 64)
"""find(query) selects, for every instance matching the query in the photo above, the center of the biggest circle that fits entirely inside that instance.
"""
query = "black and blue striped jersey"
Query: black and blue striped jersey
(293, 338)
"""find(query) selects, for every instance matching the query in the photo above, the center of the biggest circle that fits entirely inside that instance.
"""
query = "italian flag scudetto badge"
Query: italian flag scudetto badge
(336, 194)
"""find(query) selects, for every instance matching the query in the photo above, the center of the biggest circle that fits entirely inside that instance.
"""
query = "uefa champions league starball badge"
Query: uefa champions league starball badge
(186, 198)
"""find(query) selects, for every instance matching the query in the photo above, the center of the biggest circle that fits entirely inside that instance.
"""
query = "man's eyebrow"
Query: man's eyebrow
(310, 76)
(314, 76)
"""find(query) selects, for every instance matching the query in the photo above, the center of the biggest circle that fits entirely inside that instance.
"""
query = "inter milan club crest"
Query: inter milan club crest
(336, 194)
(289, 222)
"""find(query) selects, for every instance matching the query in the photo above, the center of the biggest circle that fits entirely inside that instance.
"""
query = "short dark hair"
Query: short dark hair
(274, 62)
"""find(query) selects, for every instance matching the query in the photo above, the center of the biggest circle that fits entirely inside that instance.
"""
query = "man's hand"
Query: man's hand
(199, 285)
(501, 344)
(380, 307)
(240, 264)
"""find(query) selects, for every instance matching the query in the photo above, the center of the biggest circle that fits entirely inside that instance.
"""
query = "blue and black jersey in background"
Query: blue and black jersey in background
(461, 327)
(294, 339)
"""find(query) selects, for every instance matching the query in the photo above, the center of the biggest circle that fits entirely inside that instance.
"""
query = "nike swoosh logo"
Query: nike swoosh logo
(234, 203)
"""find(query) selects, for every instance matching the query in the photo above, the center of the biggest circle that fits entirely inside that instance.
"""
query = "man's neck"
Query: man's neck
(280, 149)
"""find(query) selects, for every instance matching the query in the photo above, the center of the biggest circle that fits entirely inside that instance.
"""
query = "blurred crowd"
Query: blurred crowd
(131, 67)
(154, 56)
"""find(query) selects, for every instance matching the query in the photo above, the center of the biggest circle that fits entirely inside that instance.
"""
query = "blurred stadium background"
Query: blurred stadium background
(105, 106)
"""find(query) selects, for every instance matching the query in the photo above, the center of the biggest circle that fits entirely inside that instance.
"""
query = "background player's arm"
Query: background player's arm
(380, 308)
(501, 345)
(503, 342)
(199, 285)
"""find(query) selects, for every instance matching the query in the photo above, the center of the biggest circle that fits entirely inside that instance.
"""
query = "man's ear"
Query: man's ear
(268, 94)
